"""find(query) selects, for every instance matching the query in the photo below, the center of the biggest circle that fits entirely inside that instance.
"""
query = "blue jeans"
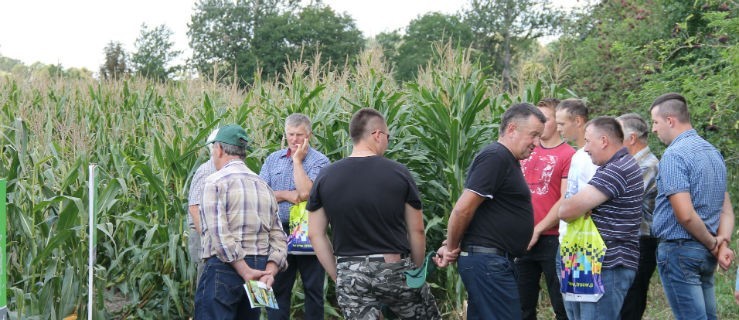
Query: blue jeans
(221, 294)
(616, 282)
(491, 286)
(686, 268)
(312, 275)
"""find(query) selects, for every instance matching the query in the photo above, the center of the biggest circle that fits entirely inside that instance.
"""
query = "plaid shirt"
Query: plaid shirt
(196, 186)
(648, 165)
(239, 217)
(277, 171)
(689, 164)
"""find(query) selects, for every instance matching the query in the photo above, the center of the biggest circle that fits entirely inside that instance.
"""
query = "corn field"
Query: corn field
(147, 139)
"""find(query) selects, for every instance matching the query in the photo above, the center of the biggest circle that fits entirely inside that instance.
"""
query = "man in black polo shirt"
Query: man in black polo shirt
(493, 220)
(374, 209)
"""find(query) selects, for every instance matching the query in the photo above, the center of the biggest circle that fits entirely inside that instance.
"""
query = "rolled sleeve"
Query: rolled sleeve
(195, 194)
(673, 173)
(277, 241)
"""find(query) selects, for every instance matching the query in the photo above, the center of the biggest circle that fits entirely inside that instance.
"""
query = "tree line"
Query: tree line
(236, 41)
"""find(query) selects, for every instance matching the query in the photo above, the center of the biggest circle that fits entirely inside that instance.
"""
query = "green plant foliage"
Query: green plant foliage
(235, 42)
(154, 53)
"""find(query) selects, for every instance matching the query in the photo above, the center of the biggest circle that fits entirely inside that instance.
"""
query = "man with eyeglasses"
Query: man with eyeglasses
(374, 209)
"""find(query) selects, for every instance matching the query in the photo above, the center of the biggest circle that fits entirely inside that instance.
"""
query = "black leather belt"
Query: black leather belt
(380, 257)
(678, 241)
(471, 250)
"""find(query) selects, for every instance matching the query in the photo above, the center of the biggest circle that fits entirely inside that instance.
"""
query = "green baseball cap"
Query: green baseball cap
(415, 278)
(232, 134)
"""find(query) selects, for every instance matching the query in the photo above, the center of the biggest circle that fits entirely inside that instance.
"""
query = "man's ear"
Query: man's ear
(580, 121)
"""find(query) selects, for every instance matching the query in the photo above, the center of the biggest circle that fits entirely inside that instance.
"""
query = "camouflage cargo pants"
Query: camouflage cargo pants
(362, 288)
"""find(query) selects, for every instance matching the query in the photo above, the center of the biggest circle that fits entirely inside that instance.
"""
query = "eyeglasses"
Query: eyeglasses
(383, 132)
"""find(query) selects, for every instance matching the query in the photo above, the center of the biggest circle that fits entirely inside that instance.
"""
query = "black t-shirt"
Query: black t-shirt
(505, 219)
(364, 199)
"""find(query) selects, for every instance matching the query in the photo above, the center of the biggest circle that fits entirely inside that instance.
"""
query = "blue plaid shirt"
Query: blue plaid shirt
(277, 171)
(690, 164)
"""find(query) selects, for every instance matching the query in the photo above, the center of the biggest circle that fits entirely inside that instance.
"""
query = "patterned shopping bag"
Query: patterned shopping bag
(582, 253)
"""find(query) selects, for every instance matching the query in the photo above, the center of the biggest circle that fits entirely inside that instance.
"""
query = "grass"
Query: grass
(657, 306)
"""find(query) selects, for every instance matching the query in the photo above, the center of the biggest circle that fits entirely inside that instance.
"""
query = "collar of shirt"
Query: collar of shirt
(642, 154)
(619, 154)
(233, 162)
(686, 134)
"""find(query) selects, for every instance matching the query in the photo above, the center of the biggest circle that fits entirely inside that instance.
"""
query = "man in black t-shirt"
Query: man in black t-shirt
(493, 220)
(374, 209)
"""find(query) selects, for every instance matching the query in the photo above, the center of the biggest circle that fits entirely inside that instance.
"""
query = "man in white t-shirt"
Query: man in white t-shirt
(571, 117)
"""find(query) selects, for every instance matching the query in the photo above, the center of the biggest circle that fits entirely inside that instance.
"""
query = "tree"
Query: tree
(242, 38)
(504, 29)
(115, 65)
(421, 34)
(318, 29)
(389, 42)
(221, 36)
(154, 53)
(606, 48)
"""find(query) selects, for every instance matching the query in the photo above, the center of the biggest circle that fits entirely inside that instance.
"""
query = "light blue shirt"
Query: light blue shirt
(277, 171)
(689, 164)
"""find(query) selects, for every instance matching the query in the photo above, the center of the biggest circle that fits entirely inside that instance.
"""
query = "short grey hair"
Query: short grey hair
(233, 150)
(297, 119)
(634, 123)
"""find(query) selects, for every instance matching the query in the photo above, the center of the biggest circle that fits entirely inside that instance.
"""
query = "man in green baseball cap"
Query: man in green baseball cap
(241, 234)
(232, 134)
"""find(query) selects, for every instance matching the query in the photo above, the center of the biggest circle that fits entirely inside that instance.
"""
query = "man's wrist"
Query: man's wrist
(715, 244)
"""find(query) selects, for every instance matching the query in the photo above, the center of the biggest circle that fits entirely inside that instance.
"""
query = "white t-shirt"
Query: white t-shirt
(582, 170)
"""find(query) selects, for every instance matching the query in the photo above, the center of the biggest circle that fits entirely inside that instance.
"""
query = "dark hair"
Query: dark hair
(672, 104)
(632, 122)
(608, 126)
(574, 108)
(548, 103)
(233, 150)
(360, 121)
(519, 112)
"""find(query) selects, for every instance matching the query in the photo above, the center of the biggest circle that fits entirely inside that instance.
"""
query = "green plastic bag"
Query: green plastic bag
(582, 253)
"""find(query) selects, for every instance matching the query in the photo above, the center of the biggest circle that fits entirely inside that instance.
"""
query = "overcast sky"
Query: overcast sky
(74, 32)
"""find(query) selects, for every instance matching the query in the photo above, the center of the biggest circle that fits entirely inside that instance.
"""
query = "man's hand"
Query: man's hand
(300, 152)
(267, 279)
(724, 256)
(534, 239)
(444, 256)
(254, 274)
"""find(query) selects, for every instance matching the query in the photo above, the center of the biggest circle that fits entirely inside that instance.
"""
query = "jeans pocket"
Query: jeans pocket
(690, 268)
(229, 288)
(498, 265)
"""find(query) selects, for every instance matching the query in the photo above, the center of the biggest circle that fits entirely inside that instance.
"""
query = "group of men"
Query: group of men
(674, 213)
(504, 231)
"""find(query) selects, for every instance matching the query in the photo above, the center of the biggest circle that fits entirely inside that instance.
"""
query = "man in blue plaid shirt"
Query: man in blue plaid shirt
(290, 172)
(693, 217)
